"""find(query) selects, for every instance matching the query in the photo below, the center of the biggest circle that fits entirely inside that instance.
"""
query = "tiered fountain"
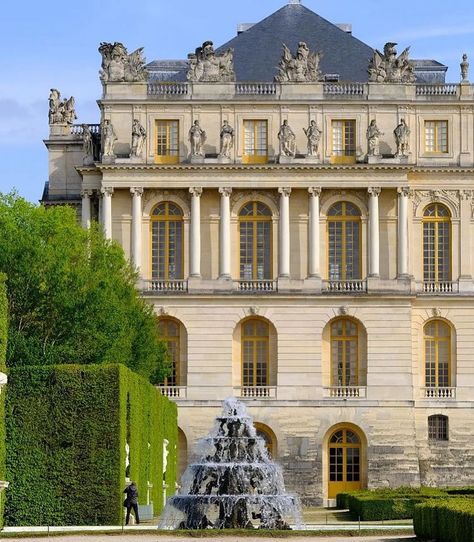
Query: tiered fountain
(235, 484)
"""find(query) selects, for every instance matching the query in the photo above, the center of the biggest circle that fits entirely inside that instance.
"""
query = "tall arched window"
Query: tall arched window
(436, 243)
(344, 353)
(255, 230)
(255, 353)
(437, 339)
(344, 462)
(344, 242)
(268, 437)
(169, 334)
(167, 242)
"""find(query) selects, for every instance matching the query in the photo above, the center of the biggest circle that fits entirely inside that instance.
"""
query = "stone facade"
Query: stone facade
(300, 406)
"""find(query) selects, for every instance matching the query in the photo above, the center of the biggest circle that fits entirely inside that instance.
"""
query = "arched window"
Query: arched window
(268, 436)
(344, 462)
(436, 243)
(344, 242)
(437, 339)
(255, 230)
(344, 353)
(169, 334)
(167, 242)
(438, 427)
(255, 353)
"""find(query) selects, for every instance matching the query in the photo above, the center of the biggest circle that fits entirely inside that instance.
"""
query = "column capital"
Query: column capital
(403, 191)
(196, 191)
(107, 190)
(285, 191)
(314, 191)
(86, 193)
(136, 190)
(225, 191)
(374, 191)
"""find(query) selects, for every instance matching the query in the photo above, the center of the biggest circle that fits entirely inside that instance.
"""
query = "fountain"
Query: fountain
(235, 484)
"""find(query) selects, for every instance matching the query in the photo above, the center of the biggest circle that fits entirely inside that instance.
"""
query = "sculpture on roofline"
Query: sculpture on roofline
(386, 67)
(313, 133)
(373, 134)
(206, 66)
(61, 111)
(120, 66)
(109, 138)
(402, 133)
(197, 138)
(138, 138)
(302, 68)
(227, 139)
(464, 69)
(287, 140)
(87, 145)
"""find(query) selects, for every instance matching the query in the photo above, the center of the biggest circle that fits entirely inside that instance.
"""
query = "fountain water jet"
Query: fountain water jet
(235, 484)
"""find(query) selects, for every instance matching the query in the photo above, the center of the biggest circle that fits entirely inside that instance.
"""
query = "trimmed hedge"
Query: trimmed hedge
(450, 520)
(67, 428)
(3, 354)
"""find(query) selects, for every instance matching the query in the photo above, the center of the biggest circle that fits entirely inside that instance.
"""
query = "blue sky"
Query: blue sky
(54, 44)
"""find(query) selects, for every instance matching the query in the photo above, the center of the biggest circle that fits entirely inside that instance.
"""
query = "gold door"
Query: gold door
(344, 462)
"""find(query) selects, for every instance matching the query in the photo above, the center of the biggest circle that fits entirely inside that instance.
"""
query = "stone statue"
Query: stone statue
(387, 68)
(227, 139)
(287, 140)
(119, 65)
(109, 138)
(205, 65)
(197, 137)
(303, 68)
(464, 69)
(87, 145)
(313, 133)
(61, 111)
(401, 134)
(138, 138)
(373, 134)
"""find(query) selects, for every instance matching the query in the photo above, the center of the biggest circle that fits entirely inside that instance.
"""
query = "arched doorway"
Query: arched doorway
(345, 461)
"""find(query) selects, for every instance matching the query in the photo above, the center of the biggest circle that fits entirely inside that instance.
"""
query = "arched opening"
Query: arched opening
(269, 438)
(167, 242)
(437, 354)
(173, 334)
(436, 243)
(344, 241)
(182, 462)
(438, 427)
(255, 241)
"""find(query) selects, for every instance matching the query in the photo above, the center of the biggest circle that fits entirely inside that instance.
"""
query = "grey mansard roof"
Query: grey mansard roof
(258, 50)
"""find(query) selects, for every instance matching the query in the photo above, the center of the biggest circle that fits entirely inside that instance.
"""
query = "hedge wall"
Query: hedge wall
(449, 520)
(67, 430)
(3, 353)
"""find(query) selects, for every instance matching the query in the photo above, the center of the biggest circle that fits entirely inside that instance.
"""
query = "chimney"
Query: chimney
(242, 27)
(346, 27)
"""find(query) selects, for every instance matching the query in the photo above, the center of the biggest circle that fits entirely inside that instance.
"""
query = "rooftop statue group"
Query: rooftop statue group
(207, 66)
(301, 68)
(120, 66)
(401, 135)
(61, 111)
(386, 67)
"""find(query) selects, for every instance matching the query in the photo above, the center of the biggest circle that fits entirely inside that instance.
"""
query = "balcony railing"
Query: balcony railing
(165, 286)
(256, 89)
(346, 286)
(256, 392)
(437, 90)
(440, 287)
(438, 393)
(77, 129)
(176, 392)
(257, 286)
(344, 89)
(168, 89)
(345, 392)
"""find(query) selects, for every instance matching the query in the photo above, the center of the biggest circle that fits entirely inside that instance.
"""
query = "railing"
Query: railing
(257, 285)
(345, 392)
(260, 89)
(177, 392)
(166, 286)
(77, 129)
(346, 286)
(438, 393)
(437, 90)
(256, 392)
(344, 89)
(167, 89)
(443, 287)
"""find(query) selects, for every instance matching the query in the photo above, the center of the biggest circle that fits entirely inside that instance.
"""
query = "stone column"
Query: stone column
(403, 193)
(284, 252)
(374, 243)
(465, 258)
(313, 231)
(86, 208)
(195, 233)
(107, 192)
(136, 252)
(224, 234)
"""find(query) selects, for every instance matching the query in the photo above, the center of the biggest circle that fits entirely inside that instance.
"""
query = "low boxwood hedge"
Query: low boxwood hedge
(447, 520)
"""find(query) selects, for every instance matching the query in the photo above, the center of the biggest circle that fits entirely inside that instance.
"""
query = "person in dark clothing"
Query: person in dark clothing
(131, 501)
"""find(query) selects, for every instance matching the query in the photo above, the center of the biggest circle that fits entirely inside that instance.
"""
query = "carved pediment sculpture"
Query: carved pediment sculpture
(205, 65)
(61, 111)
(118, 65)
(302, 68)
(386, 67)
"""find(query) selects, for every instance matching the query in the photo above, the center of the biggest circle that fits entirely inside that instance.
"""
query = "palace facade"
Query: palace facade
(302, 221)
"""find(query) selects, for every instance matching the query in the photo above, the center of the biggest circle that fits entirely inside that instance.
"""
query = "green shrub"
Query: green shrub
(469, 490)
(3, 323)
(67, 428)
(447, 520)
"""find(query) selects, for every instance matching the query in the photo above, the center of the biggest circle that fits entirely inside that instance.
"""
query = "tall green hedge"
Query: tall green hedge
(3, 352)
(67, 428)
(445, 520)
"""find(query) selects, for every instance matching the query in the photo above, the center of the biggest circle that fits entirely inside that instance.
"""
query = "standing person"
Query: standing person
(131, 501)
